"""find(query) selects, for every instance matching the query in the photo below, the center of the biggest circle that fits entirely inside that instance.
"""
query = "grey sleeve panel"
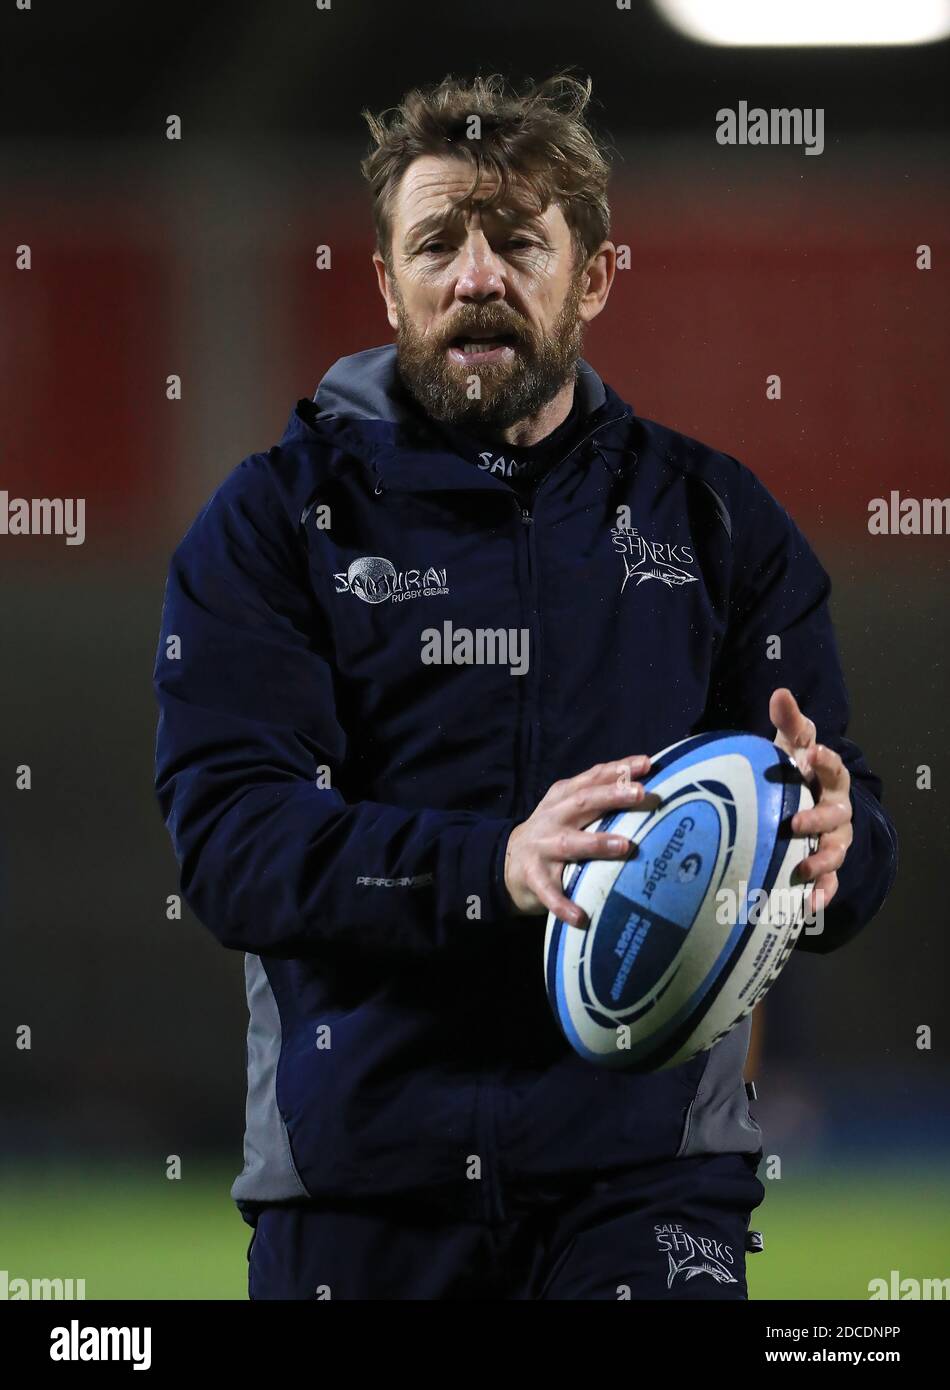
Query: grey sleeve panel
(269, 1173)
(718, 1120)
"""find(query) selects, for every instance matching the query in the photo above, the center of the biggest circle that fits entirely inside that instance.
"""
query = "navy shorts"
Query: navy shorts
(677, 1230)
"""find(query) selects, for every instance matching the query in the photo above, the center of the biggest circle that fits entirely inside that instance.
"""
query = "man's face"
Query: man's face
(488, 306)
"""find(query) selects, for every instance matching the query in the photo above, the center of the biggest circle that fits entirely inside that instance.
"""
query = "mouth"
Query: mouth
(476, 348)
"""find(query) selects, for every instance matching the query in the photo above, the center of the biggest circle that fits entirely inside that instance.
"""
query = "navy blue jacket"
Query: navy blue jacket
(339, 809)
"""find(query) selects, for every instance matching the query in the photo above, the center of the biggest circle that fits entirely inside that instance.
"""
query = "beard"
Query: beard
(510, 390)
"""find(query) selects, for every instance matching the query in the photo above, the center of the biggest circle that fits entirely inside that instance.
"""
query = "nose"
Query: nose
(479, 279)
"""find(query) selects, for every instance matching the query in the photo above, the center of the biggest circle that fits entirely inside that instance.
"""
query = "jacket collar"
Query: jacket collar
(362, 405)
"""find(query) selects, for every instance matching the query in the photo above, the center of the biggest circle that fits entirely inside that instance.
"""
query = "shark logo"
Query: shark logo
(643, 559)
(691, 1256)
(667, 574)
(690, 1266)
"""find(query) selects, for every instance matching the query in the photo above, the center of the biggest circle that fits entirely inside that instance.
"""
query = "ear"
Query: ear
(382, 278)
(600, 271)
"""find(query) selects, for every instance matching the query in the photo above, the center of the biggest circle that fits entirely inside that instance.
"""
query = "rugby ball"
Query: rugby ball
(686, 936)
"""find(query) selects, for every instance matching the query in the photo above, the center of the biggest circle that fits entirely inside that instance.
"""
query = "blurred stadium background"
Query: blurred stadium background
(196, 257)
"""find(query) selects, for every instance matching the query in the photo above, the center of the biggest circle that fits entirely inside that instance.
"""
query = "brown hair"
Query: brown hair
(538, 137)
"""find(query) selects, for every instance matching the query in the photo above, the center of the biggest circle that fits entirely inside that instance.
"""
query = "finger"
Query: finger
(627, 770)
(826, 766)
(825, 861)
(796, 729)
(575, 846)
(825, 816)
(590, 803)
(822, 892)
(623, 769)
(546, 887)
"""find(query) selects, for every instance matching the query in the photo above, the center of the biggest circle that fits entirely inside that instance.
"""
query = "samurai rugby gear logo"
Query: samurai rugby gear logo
(689, 1256)
(643, 559)
(375, 579)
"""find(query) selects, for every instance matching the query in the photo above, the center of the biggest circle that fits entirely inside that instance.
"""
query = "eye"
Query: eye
(434, 247)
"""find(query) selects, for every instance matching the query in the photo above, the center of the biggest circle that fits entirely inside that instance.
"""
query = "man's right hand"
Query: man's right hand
(552, 836)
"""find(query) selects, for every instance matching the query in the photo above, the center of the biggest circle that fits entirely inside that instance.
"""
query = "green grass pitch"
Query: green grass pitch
(132, 1235)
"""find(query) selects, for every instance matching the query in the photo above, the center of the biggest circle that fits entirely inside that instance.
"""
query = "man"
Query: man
(380, 821)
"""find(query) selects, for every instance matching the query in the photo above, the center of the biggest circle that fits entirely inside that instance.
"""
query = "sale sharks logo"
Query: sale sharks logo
(690, 1256)
(644, 559)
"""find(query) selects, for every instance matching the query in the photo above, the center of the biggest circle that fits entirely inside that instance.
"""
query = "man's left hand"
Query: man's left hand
(830, 782)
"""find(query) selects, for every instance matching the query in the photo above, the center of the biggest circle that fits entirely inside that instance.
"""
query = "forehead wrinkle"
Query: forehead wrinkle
(426, 185)
(507, 216)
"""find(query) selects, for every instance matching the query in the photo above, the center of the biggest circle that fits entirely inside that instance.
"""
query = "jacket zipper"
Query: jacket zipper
(531, 739)
(530, 750)
(523, 807)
